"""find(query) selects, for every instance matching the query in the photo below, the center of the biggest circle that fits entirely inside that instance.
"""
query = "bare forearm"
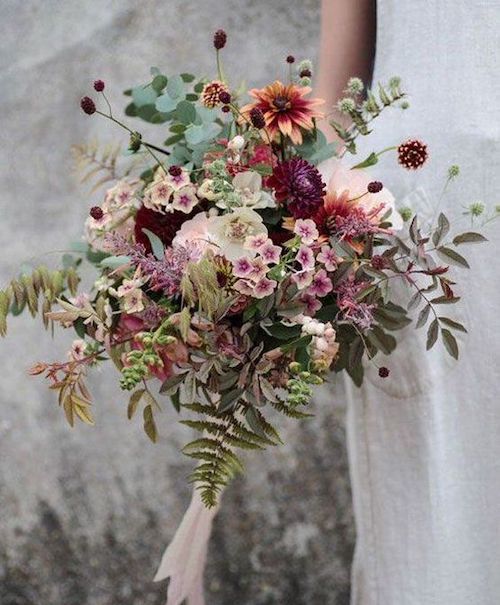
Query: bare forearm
(348, 31)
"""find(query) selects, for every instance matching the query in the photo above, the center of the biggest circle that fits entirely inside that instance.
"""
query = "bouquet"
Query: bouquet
(239, 263)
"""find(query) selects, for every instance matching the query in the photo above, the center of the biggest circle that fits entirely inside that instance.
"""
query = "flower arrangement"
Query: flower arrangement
(241, 261)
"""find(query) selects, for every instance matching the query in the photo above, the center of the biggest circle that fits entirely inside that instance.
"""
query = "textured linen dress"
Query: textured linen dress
(424, 444)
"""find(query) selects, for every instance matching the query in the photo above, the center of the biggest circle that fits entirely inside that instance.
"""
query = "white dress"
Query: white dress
(424, 444)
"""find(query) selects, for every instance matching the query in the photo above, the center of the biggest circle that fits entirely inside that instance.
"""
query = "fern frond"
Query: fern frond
(91, 161)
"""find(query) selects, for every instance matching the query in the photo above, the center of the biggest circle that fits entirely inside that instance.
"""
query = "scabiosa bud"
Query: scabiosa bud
(305, 73)
(210, 96)
(305, 65)
(257, 118)
(477, 208)
(299, 185)
(383, 372)
(88, 105)
(225, 97)
(406, 213)
(346, 105)
(135, 141)
(220, 39)
(175, 170)
(374, 187)
(290, 59)
(453, 171)
(355, 86)
(96, 212)
(412, 154)
(99, 85)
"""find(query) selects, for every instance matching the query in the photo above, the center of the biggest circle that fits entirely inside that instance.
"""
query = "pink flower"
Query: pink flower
(321, 284)
(244, 286)
(178, 180)
(306, 230)
(255, 242)
(185, 199)
(303, 279)
(328, 257)
(242, 267)
(196, 230)
(313, 305)
(259, 269)
(264, 287)
(270, 253)
(305, 257)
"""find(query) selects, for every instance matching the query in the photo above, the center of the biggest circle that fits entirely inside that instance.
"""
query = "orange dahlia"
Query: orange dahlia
(285, 109)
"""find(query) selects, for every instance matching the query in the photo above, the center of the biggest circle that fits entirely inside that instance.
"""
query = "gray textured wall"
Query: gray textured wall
(86, 513)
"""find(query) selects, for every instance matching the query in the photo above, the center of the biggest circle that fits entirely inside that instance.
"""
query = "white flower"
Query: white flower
(230, 231)
(248, 185)
(205, 190)
(236, 143)
(196, 230)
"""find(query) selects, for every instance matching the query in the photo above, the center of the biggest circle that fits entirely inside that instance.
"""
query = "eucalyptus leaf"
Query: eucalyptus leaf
(144, 95)
(156, 243)
(175, 88)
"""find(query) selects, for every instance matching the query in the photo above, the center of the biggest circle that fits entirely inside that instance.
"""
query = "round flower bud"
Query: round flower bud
(290, 59)
(225, 108)
(96, 212)
(220, 39)
(99, 85)
(383, 372)
(374, 187)
(225, 97)
(305, 73)
(88, 105)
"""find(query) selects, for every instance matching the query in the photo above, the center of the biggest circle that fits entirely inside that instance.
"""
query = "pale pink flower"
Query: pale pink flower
(340, 178)
(196, 230)
(264, 287)
(244, 286)
(305, 257)
(328, 257)
(255, 242)
(303, 279)
(122, 195)
(242, 267)
(306, 230)
(321, 284)
(133, 301)
(313, 305)
(259, 269)
(157, 196)
(178, 181)
(77, 351)
(270, 253)
(185, 199)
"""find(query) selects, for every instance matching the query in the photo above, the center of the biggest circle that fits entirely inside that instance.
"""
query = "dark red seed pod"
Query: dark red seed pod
(88, 105)
(96, 212)
(290, 59)
(225, 97)
(375, 187)
(220, 39)
(99, 85)
(225, 108)
(305, 73)
(383, 372)
(175, 170)
(257, 118)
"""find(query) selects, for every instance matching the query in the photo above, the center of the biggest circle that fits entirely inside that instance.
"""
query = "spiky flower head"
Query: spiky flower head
(453, 171)
(477, 208)
(305, 66)
(210, 96)
(346, 105)
(305, 81)
(285, 108)
(299, 186)
(412, 154)
(220, 39)
(88, 106)
(355, 86)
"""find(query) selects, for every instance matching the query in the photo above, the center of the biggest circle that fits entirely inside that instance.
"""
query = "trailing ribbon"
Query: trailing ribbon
(184, 559)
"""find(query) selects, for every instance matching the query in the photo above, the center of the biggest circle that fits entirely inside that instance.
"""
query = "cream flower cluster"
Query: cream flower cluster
(324, 346)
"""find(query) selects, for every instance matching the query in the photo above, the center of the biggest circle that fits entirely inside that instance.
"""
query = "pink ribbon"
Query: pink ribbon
(184, 559)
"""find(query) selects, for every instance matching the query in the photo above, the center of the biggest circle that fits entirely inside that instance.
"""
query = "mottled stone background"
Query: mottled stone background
(86, 513)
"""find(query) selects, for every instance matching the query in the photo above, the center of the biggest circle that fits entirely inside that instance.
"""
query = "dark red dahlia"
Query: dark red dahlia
(299, 186)
(165, 226)
(412, 154)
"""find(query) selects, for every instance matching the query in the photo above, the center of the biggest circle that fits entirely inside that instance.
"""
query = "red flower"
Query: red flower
(285, 109)
(412, 154)
(165, 226)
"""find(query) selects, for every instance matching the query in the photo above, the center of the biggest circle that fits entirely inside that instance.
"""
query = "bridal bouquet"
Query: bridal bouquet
(240, 261)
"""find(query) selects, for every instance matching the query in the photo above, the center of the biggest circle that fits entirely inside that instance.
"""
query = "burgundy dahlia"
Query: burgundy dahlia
(165, 226)
(299, 185)
(412, 154)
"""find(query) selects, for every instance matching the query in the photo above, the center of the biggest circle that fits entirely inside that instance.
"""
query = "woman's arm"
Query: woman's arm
(348, 32)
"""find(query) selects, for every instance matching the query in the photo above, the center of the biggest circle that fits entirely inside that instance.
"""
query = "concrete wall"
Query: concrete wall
(86, 513)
